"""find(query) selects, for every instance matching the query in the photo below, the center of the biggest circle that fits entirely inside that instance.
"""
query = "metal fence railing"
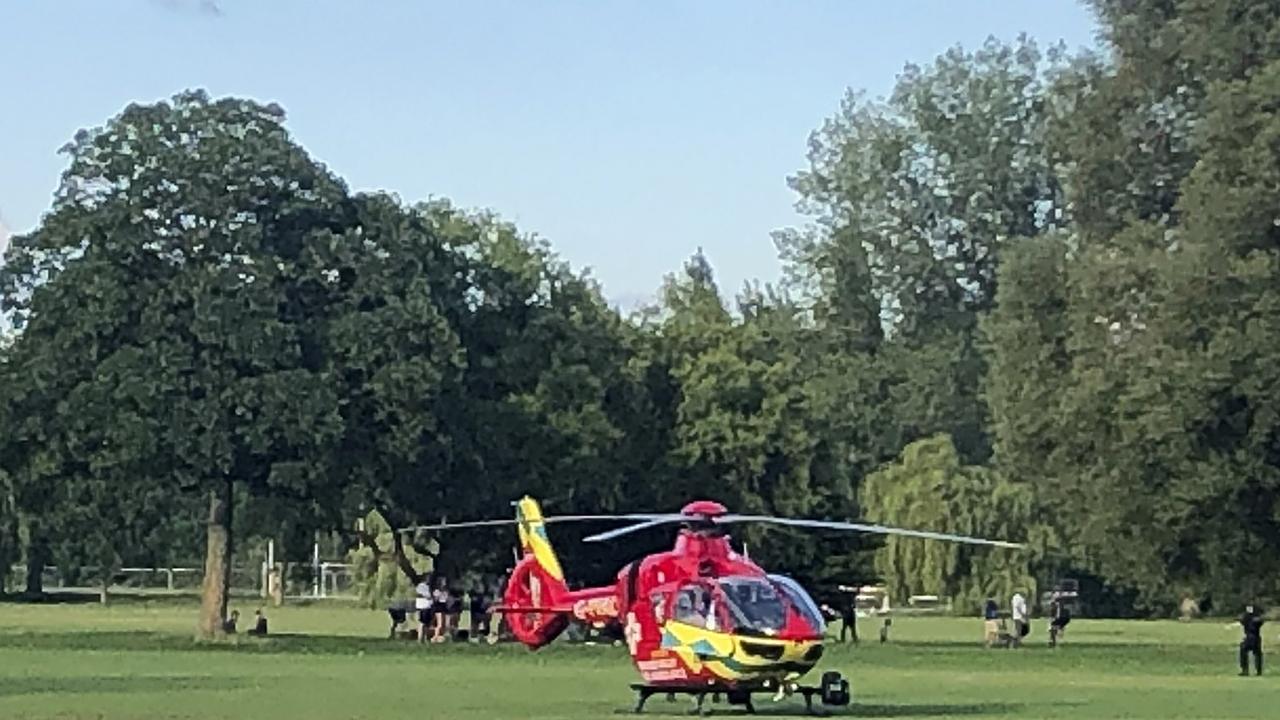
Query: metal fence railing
(298, 580)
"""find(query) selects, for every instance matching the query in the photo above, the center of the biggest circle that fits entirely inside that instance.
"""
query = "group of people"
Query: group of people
(996, 630)
(259, 623)
(447, 613)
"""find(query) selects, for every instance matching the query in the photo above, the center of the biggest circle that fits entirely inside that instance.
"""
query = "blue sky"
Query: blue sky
(626, 133)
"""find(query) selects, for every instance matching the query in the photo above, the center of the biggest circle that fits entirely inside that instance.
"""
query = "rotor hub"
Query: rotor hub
(704, 509)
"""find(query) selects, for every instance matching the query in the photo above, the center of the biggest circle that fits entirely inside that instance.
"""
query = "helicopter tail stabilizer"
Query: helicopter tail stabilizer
(536, 599)
(533, 538)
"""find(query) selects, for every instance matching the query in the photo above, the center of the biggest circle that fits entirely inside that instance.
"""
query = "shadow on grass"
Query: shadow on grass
(933, 710)
(281, 643)
(926, 710)
(13, 686)
(49, 598)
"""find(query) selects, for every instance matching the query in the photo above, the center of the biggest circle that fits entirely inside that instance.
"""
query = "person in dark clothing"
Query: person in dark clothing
(842, 609)
(1251, 622)
(479, 614)
(399, 613)
(848, 620)
(991, 622)
(259, 624)
(1060, 617)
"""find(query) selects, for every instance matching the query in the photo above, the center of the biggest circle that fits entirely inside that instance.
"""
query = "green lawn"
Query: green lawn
(137, 660)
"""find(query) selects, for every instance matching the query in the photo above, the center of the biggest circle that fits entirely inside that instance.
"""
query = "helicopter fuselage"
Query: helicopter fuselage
(702, 614)
(698, 615)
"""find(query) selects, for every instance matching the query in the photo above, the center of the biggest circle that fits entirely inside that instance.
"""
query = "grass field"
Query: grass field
(137, 660)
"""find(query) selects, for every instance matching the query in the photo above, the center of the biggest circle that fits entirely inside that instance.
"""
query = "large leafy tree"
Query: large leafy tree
(177, 250)
(1153, 311)
(915, 201)
(477, 367)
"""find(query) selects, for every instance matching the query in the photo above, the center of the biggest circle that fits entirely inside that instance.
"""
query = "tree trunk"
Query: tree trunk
(8, 540)
(402, 560)
(217, 565)
(37, 556)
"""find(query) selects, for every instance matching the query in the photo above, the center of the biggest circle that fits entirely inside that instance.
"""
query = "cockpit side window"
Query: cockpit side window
(692, 605)
(658, 603)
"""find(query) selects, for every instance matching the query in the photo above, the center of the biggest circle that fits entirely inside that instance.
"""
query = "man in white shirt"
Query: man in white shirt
(1020, 627)
(422, 603)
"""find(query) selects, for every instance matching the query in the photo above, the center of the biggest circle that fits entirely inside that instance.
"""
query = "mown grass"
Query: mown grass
(138, 660)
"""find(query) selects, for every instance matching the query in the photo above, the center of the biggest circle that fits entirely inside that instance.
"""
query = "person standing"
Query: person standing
(1251, 623)
(1020, 627)
(848, 620)
(422, 603)
(1061, 616)
(440, 602)
(991, 622)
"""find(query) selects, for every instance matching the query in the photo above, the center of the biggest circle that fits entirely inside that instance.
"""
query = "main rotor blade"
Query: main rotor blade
(654, 522)
(860, 527)
(512, 521)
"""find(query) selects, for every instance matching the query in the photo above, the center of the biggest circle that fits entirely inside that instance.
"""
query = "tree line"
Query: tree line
(1035, 298)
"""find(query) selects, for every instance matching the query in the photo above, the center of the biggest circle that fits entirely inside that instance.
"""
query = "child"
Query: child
(260, 624)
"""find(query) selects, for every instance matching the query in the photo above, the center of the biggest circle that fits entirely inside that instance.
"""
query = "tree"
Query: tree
(1200, 413)
(377, 572)
(736, 392)
(1025, 338)
(477, 368)
(394, 346)
(930, 186)
(1131, 359)
(916, 199)
(929, 488)
(179, 238)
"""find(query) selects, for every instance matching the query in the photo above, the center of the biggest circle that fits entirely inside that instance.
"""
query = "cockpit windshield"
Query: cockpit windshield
(750, 605)
(802, 602)
(756, 605)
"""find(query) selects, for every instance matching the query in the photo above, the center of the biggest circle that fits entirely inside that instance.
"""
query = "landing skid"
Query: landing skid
(700, 696)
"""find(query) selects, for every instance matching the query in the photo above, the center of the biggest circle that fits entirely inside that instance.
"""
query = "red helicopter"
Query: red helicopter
(700, 619)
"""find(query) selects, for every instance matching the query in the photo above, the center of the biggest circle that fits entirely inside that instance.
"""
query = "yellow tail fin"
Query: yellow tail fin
(533, 537)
